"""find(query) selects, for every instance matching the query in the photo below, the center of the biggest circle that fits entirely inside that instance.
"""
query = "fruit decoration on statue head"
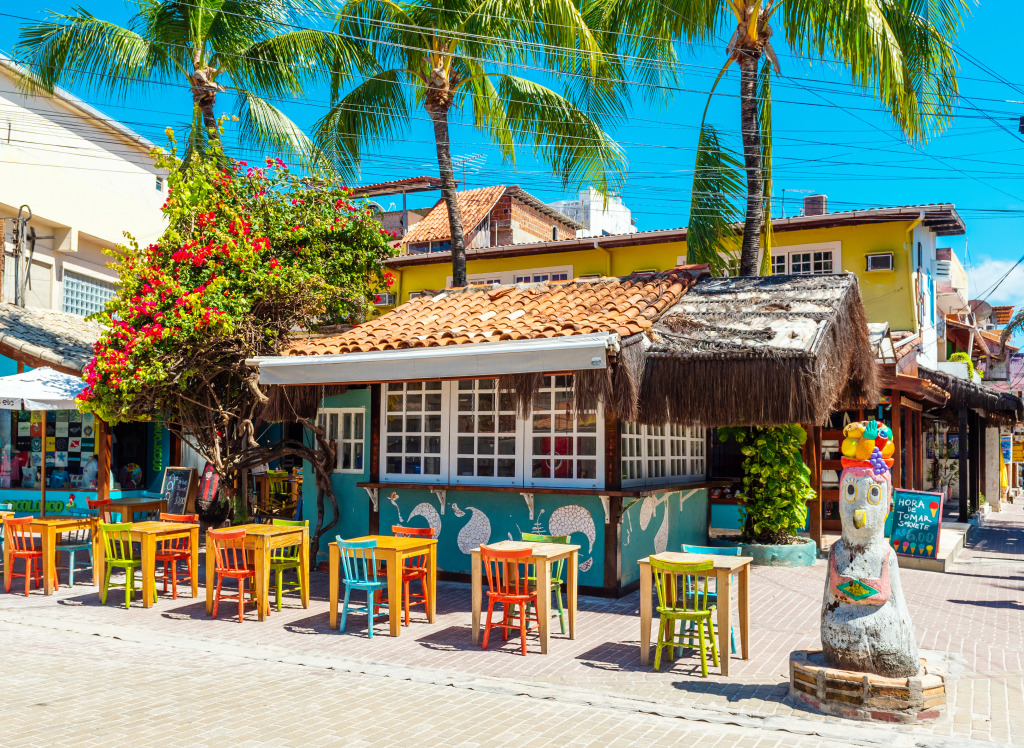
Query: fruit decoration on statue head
(865, 624)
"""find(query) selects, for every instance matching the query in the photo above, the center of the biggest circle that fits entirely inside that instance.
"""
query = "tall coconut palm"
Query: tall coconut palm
(899, 51)
(442, 57)
(253, 50)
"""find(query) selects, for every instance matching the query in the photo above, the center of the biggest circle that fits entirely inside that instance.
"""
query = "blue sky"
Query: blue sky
(830, 138)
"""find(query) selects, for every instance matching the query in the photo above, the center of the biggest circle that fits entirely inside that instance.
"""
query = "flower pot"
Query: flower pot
(804, 552)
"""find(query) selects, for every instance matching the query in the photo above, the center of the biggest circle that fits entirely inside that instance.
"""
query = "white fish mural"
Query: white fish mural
(573, 518)
(425, 510)
(475, 532)
(647, 509)
(661, 536)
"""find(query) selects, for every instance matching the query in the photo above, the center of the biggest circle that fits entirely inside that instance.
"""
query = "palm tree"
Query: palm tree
(253, 49)
(440, 56)
(899, 51)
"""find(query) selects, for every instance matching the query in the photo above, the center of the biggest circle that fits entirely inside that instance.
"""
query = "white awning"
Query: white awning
(40, 389)
(463, 361)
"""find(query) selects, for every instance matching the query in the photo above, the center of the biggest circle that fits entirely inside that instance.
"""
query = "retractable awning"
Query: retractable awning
(476, 360)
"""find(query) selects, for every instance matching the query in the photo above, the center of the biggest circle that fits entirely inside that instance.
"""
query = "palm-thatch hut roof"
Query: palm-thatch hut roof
(1000, 407)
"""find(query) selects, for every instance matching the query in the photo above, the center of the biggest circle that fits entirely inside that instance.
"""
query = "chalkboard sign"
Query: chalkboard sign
(179, 489)
(915, 523)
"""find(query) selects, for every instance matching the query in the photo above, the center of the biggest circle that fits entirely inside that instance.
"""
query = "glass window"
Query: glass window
(413, 431)
(632, 454)
(84, 295)
(804, 263)
(658, 454)
(485, 432)
(564, 443)
(346, 428)
(778, 264)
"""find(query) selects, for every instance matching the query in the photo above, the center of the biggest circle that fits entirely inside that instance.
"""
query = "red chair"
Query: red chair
(103, 507)
(508, 583)
(170, 552)
(414, 567)
(228, 547)
(23, 546)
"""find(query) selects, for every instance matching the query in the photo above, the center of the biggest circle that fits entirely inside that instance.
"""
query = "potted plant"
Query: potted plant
(776, 489)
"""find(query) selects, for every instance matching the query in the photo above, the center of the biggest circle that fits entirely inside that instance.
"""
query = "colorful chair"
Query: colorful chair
(709, 550)
(283, 559)
(102, 506)
(4, 507)
(279, 493)
(228, 547)
(414, 568)
(119, 553)
(23, 546)
(508, 583)
(74, 542)
(556, 575)
(673, 607)
(170, 552)
(359, 572)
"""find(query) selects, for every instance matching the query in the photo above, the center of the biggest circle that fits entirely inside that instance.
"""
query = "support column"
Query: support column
(103, 460)
(962, 466)
(990, 486)
(974, 460)
(376, 391)
(811, 454)
(897, 438)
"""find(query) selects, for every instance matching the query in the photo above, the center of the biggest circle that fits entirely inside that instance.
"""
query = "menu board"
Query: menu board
(178, 489)
(915, 522)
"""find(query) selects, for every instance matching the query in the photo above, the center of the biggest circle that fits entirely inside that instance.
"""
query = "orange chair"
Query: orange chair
(508, 583)
(228, 547)
(170, 552)
(103, 507)
(23, 546)
(414, 567)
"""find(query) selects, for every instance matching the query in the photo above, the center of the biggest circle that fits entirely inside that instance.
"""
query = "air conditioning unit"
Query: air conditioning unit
(880, 262)
(384, 299)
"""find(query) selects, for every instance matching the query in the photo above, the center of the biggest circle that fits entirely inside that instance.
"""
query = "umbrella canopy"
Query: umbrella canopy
(40, 389)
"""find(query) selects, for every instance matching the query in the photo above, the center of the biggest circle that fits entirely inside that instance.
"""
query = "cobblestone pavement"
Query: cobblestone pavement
(971, 616)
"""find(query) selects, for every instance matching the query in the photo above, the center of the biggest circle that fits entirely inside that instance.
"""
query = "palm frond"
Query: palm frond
(487, 106)
(263, 125)
(719, 191)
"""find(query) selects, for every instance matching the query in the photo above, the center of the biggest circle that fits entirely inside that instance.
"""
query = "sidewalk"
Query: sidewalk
(972, 616)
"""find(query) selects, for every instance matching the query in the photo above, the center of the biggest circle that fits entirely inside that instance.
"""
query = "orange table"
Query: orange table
(147, 534)
(544, 555)
(261, 540)
(393, 552)
(49, 529)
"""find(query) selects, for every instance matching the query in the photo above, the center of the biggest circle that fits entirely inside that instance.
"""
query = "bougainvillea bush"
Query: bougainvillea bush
(251, 256)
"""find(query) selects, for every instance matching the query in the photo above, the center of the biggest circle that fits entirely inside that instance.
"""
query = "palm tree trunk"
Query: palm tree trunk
(752, 162)
(439, 116)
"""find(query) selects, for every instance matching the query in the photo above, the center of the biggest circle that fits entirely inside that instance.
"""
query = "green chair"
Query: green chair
(118, 553)
(283, 559)
(714, 550)
(556, 575)
(673, 607)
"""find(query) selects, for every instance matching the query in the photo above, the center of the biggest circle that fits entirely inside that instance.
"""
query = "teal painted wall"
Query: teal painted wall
(662, 522)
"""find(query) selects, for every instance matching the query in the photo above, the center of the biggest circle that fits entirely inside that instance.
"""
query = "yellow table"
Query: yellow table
(725, 567)
(544, 555)
(147, 534)
(129, 507)
(393, 552)
(261, 540)
(49, 529)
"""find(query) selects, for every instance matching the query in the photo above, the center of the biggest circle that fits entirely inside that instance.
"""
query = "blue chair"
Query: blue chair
(359, 572)
(709, 550)
(75, 541)
(8, 507)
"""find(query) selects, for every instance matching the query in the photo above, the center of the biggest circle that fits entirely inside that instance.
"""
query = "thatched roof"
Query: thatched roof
(759, 351)
(1001, 407)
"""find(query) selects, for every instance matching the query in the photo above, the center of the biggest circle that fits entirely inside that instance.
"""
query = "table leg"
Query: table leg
(262, 580)
(48, 537)
(148, 570)
(646, 586)
(744, 603)
(335, 561)
(571, 590)
(476, 572)
(211, 575)
(432, 582)
(99, 555)
(304, 568)
(723, 587)
(543, 602)
(193, 545)
(394, 562)
(7, 557)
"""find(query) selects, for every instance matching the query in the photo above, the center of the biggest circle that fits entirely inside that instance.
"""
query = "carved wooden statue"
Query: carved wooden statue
(865, 625)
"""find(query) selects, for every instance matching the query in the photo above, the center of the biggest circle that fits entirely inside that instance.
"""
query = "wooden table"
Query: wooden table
(393, 552)
(544, 555)
(128, 507)
(261, 540)
(147, 534)
(725, 567)
(49, 529)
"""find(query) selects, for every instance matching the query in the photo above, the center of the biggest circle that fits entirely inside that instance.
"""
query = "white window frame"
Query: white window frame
(508, 277)
(787, 252)
(456, 390)
(340, 442)
(443, 455)
(575, 434)
(653, 455)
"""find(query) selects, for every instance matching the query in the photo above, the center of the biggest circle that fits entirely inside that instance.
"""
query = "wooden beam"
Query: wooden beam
(42, 473)
(103, 459)
(974, 459)
(375, 433)
(811, 453)
(962, 454)
(897, 438)
(34, 362)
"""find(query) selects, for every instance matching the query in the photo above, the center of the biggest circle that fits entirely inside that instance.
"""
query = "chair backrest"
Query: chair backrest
(288, 552)
(6, 507)
(192, 518)
(228, 548)
(532, 537)
(117, 541)
(102, 506)
(275, 481)
(176, 544)
(712, 550)
(21, 533)
(358, 560)
(507, 572)
(666, 574)
(413, 562)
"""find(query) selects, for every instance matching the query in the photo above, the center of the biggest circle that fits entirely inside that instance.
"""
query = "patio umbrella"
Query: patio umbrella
(40, 389)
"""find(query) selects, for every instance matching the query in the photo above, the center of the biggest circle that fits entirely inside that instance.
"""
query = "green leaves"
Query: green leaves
(719, 191)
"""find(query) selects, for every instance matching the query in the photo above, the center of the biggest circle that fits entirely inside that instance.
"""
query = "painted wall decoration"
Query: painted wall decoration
(661, 522)
(916, 523)
(424, 510)
(474, 533)
(571, 519)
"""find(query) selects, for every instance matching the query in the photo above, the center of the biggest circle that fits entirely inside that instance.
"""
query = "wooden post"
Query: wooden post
(613, 526)
(375, 432)
(982, 458)
(919, 451)
(42, 474)
(102, 460)
(909, 446)
(962, 441)
(897, 438)
(811, 453)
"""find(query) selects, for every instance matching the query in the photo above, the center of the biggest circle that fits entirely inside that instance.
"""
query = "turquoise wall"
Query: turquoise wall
(662, 522)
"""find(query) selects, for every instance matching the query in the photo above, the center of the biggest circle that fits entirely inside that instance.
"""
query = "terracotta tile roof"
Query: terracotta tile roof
(473, 206)
(627, 306)
(1002, 314)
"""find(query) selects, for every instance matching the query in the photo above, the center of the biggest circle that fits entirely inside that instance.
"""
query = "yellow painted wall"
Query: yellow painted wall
(887, 295)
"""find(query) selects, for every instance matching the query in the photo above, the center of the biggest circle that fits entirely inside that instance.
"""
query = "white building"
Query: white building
(597, 218)
(86, 178)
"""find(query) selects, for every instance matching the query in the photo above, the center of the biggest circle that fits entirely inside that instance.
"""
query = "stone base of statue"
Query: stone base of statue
(845, 693)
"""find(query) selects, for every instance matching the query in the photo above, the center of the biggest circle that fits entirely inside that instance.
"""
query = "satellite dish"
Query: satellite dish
(982, 309)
